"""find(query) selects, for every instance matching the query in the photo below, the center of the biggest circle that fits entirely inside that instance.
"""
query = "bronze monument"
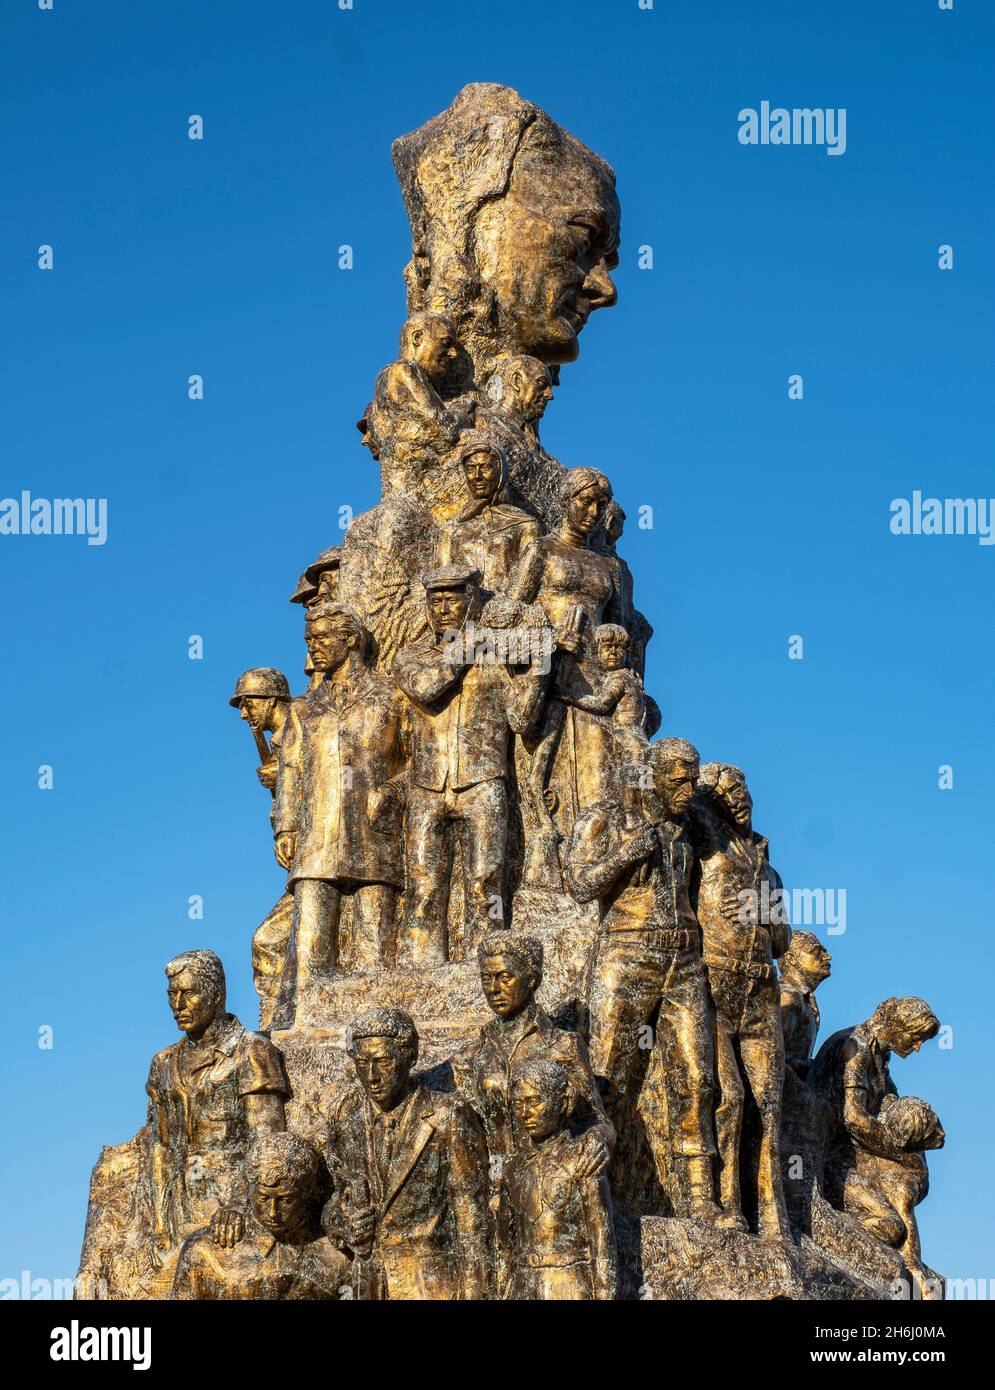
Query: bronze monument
(524, 1034)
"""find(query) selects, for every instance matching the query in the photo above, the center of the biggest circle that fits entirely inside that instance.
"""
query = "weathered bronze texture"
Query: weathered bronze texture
(525, 1036)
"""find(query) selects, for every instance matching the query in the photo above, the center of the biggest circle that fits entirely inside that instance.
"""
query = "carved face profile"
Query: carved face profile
(515, 224)
(735, 794)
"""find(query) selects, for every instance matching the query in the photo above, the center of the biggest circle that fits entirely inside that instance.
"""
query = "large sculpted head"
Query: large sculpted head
(807, 960)
(258, 694)
(515, 225)
(539, 1097)
(334, 635)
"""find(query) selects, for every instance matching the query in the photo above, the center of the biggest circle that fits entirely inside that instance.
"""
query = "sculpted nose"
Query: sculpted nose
(599, 287)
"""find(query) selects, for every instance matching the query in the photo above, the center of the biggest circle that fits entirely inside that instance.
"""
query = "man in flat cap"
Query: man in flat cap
(338, 806)
(411, 1174)
(465, 708)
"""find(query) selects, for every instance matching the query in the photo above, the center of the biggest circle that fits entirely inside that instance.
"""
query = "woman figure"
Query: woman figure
(577, 589)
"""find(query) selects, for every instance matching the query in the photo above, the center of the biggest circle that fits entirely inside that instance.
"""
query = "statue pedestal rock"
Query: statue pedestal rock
(532, 1022)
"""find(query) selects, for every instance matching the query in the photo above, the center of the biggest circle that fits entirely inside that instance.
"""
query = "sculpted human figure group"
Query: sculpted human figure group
(470, 782)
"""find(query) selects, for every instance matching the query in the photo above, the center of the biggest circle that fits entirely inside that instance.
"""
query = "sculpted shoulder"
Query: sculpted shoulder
(160, 1064)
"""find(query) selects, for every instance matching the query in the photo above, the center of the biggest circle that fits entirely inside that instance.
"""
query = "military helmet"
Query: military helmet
(261, 683)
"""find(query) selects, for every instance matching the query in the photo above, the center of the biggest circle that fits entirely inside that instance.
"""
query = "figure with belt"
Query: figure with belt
(338, 806)
(561, 1236)
(410, 1168)
(647, 971)
(464, 708)
(738, 899)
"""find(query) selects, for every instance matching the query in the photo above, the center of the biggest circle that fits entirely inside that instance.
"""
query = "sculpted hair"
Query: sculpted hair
(277, 1157)
(526, 950)
(611, 632)
(711, 774)
(547, 1076)
(579, 479)
(206, 966)
(385, 1023)
(912, 1121)
(673, 750)
(910, 1012)
(802, 942)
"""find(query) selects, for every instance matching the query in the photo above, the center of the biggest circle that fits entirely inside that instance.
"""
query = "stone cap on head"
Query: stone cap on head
(450, 577)
(307, 585)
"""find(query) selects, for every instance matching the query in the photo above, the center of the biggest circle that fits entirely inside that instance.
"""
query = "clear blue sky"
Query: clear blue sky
(219, 257)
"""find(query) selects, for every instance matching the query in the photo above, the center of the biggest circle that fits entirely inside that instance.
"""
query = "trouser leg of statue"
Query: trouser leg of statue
(422, 940)
(625, 990)
(728, 1113)
(684, 1014)
(313, 944)
(372, 923)
(483, 823)
(761, 1046)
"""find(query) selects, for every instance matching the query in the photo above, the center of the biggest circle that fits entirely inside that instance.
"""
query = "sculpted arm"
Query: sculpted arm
(600, 852)
(604, 1263)
(780, 929)
(864, 1128)
(158, 1137)
(263, 1086)
(604, 700)
(423, 677)
(468, 1196)
(287, 799)
(526, 578)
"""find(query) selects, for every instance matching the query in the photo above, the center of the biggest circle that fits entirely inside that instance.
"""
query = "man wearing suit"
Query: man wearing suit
(337, 813)
(465, 709)
(410, 1167)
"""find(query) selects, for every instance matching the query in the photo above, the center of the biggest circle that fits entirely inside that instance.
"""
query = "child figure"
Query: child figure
(557, 1222)
(621, 691)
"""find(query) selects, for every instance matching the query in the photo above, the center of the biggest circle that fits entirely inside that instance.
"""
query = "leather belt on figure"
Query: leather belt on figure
(755, 969)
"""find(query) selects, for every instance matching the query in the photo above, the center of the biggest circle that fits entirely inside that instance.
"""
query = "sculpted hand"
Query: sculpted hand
(227, 1227)
(570, 641)
(285, 847)
(267, 775)
(640, 843)
(359, 1230)
(593, 1155)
